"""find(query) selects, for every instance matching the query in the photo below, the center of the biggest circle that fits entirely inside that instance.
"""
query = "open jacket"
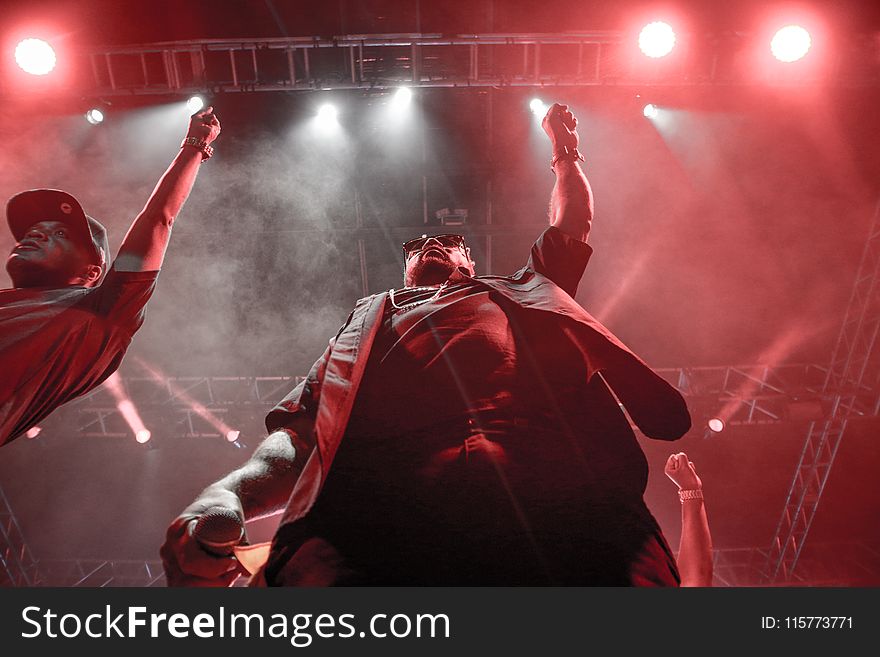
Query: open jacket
(316, 412)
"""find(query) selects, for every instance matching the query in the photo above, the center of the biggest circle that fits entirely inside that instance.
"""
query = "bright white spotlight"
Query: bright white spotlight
(790, 43)
(650, 111)
(143, 435)
(33, 432)
(232, 435)
(35, 56)
(539, 109)
(94, 116)
(328, 112)
(327, 119)
(716, 425)
(402, 98)
(195, 104)
(657, 39)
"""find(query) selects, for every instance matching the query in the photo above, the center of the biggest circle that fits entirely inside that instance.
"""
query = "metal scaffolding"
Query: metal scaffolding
(850, 563)
(190, 407)
(17, 565)
(753, 394)
(99, 573)
(851, 386)
(363, 61)
(742, 395)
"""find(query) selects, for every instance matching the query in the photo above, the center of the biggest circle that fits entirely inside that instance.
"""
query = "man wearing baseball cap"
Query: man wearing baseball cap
(70, 316)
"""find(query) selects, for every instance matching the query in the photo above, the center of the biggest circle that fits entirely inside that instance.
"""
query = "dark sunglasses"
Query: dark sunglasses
(449, 240)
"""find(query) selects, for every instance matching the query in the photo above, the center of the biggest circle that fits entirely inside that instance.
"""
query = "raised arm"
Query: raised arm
(258, 488)
(695, 549)
(571, 203)
(143, 248)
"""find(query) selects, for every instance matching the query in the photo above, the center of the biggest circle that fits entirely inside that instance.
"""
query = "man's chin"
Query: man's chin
(431, 271)
(25, 273)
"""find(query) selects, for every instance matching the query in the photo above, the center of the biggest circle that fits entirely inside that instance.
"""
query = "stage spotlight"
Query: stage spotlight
(328, 112)
(327, 119)
(199, 409)
(232, 435)
(126, 408)
(95, 116)
(657, 39)
(35, 56)
(650, 111)
(401, 98)
(790, 43)
(195, 104)
(538, 107)
(33, 432)
(716, 425)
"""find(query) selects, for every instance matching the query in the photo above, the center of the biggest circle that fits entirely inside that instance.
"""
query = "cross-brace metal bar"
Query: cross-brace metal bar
(17, 565)
(851, 384)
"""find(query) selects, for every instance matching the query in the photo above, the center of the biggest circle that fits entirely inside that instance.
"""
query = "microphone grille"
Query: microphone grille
(219, 529)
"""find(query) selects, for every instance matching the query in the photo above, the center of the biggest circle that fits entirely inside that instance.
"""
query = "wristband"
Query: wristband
(693, 494)
(201, 144)
(574, 155)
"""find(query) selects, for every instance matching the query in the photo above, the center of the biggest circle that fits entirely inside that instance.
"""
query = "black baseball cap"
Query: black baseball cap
(35, 205)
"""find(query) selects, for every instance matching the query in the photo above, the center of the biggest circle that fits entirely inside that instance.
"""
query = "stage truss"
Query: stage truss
(492, 60)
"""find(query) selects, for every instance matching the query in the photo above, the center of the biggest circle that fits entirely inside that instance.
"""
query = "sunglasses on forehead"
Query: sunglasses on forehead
(448, 240)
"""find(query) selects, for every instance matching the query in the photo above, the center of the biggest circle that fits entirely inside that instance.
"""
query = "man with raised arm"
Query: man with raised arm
(71, 315)
(457, 431)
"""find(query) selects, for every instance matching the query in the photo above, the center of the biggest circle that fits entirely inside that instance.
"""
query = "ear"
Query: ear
(91, 275)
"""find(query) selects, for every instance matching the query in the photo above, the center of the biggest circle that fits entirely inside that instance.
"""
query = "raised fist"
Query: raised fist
(561, 126)
(682, 472)
(204, 125)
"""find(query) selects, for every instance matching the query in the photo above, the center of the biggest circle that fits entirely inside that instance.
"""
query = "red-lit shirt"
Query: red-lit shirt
(469, 354)
(58, 343)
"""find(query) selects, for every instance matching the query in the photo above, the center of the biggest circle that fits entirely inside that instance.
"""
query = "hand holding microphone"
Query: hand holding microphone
(218, 530)
(198, 548)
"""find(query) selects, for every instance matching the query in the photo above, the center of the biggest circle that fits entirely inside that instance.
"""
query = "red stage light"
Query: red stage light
(127, 408)
(35, 56)
(790, 43)
(657, 39)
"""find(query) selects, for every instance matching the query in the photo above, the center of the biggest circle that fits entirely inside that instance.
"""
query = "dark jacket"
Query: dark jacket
(316, 412)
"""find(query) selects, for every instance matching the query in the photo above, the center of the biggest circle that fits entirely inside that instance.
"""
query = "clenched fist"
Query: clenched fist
(682, 472)
(203, 125)
(561, 126)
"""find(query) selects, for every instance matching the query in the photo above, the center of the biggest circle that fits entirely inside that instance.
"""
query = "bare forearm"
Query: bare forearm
(571, 203)
(263, 484)
(695, 549)
(143, 248)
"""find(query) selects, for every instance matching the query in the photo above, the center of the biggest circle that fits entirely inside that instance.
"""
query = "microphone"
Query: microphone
(218, 530)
